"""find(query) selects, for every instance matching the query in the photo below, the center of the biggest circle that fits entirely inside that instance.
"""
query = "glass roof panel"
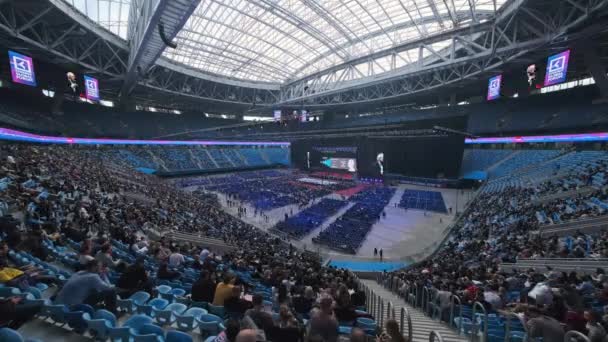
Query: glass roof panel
(110, 14)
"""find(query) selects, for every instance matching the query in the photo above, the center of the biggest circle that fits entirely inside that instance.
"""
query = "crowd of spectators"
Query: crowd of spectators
(504, 227)
(65, 205)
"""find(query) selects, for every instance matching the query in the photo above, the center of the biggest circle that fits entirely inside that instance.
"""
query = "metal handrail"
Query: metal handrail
(381, 312)
(485, 322)
(573, 333)
(508, 316)
(425, 297)
(406, 313)
(435, 335)
(452, 304)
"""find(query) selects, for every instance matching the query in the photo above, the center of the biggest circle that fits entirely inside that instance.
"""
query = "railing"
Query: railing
(574, 335)
(475, 326)
(405, 313)
(453, 302)
(435, 336)
(376, 306)
(509, 316)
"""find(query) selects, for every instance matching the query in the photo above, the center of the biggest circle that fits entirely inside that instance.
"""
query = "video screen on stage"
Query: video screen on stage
(336, 158)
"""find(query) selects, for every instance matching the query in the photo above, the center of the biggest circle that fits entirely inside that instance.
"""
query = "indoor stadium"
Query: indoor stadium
(304, 170)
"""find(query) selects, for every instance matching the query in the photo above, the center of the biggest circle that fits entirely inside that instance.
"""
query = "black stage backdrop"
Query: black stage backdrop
(429, 157)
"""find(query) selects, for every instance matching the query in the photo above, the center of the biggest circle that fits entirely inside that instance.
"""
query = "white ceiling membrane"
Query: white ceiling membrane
(112, 15)
(282, 40)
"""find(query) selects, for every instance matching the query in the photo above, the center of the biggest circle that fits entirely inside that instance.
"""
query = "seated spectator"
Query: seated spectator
(165, 273)
(260, 317)
(87, 287)
(203, 290)
(85, 255)
(234, 305)
(140, 247)
(104, 256)
(176, 259)
(595, 330)
(14, 312)
(541, 325)
(302, 304)
(392, 333)
(133, 279)
(224, 289)
(323, 322)
(21, 276)
(229, 334)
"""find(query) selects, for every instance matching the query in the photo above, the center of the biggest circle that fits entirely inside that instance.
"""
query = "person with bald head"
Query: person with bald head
(357, 335)
(247, 335)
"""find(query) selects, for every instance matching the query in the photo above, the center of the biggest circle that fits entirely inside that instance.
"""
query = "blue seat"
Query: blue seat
(130, 304)
(464, 325)
(75, 318)
(134, 323)
(187, 320)
(10, 335)
(100, 324)
(210, 338)
(55, 312)
(169, 313)
(156, 303)
(178, 336)
(163, 292)
(209, 324)
(149, 333)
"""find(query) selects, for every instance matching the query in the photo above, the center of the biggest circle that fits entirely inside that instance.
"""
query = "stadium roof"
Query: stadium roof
(279, 41)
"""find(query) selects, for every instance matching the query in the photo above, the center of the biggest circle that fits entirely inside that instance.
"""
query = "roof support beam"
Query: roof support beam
(145, 42)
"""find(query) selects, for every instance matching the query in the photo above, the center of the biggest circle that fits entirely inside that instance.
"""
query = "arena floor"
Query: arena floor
(402, 235)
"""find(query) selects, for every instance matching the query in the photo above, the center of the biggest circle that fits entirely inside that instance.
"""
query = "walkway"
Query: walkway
(421, 325)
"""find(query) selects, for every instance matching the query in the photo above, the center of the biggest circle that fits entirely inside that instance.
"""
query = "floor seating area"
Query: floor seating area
(310, 218)
(423, 200)
(349, 231)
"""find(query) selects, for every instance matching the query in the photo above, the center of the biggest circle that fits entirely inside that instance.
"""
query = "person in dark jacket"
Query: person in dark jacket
(203, 290)
(133, 279)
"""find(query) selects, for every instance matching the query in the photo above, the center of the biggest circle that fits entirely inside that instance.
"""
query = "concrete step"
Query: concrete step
(422, 325)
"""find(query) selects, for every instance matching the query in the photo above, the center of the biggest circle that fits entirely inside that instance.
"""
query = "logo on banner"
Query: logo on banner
(92, 88)
(557, 68)
(494, 87)
(22, 69)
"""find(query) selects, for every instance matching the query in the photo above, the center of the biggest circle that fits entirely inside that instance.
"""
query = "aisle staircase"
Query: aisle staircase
(421, 326)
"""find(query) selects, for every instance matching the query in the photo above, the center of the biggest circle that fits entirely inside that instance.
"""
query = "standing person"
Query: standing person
(223, 290)
(375, 252)
(203, 290)
(176, 259)
(381, 254)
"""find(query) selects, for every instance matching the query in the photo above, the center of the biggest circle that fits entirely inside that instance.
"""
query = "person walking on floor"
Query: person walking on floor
(375, 252)
(380, 254)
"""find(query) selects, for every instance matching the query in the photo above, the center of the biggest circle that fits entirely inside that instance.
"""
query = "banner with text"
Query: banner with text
(91, 86)
(557, 68)
(494, 87)
(22, 69)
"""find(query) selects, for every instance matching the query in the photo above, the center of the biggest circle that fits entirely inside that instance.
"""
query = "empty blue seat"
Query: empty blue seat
(130, 304)
(148, 333)
(100, 324)
(187, 320)
(169, 314)
(178, 336)
(148, 308)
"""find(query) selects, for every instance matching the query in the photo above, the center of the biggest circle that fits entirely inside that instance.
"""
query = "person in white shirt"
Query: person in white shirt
(203, 256)
(176, 259)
